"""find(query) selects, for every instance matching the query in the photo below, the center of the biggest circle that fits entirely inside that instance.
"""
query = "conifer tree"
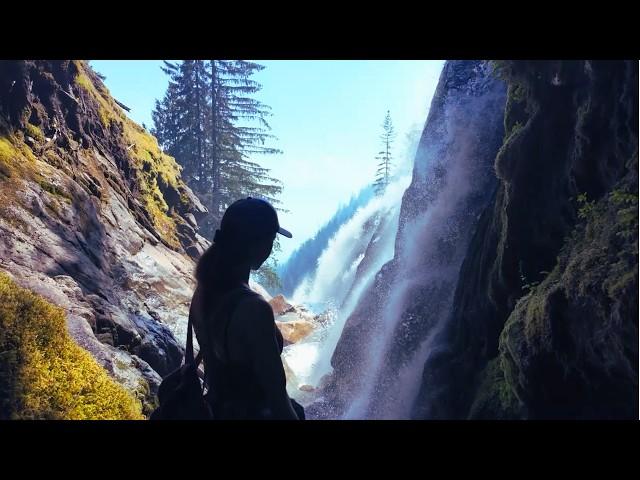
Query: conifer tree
(209, 121)
(383, 173)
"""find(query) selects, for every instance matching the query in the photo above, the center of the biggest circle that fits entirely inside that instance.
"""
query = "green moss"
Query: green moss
(84, 81)
(16, 158)
(121, 365)
(34, 132)
(586, 208)
(5, 171)
(515, 110)
(55, 190)
(107, 110)
(154, 169)
(594, 281)
(495, 397)
(156, 172)
(43, 373)
(143, 394)
(510, 135)
(8, 153)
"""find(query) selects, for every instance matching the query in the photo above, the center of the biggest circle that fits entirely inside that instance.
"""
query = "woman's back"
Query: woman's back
(234, 389)
(240, 342)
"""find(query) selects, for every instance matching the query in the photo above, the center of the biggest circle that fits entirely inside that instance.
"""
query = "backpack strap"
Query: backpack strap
(188, 354)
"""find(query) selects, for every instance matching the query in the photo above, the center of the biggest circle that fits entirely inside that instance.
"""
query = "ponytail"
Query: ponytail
(208, 265)
(212, 270)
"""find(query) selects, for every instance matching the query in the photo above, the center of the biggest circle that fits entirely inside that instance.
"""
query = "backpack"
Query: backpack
(181, 393)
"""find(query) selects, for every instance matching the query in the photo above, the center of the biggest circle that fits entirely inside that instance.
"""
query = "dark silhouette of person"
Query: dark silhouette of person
(234, 326)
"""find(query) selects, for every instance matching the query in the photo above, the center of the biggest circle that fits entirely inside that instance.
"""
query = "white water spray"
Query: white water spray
(446, 219)
(339, 289)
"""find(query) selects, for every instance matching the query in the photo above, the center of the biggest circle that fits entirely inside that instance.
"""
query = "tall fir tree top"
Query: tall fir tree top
(383, 172)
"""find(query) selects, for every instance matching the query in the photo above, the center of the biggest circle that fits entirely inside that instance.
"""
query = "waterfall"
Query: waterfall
(385, 343)
(341, 277)
(389, 274)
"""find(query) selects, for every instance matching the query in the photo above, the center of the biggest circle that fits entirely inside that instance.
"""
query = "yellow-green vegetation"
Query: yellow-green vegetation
(16, 159)
(5, 157)
(17, 164)
(35, 132)
(156, 171)
(43, 373)
(592, 289)
(515, 110)
(586, 207)
(601, 254)
(107, 110)
(154, 168)
(55, 190)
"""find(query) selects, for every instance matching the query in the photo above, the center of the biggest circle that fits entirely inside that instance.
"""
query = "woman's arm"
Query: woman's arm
(255, 319)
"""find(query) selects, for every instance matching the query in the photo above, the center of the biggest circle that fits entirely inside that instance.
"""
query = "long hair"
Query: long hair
(214, 276)
(213, 270)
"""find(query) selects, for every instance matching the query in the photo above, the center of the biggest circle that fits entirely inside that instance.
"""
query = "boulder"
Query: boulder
(295, 330)
(280, 305)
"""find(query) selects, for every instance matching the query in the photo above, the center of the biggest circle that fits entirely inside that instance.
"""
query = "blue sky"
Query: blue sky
(326, 115)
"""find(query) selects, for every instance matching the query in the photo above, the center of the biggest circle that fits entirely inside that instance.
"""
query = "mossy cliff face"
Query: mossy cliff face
(95, 218)
(44, 374)
(545, 320)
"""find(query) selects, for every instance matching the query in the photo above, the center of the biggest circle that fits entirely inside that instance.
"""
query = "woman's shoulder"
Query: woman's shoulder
(254, 306)
(252, 295)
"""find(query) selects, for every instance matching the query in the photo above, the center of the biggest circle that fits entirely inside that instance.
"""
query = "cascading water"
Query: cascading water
(379, 359)
(390, 272)
(338, 263)
(335, 290)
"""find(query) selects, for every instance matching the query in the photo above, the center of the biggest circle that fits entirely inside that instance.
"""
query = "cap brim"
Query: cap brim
(284, 232)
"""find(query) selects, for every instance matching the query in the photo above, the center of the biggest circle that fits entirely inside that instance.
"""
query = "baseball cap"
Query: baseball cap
(251, 216)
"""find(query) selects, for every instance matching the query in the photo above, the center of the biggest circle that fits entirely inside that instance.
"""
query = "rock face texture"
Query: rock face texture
(518, 298)
(94, 217)
(545, 317)
(452, 181)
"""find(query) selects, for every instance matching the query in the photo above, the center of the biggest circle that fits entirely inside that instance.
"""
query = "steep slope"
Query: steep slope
(94, 217)
(373, 362)
(545, 322)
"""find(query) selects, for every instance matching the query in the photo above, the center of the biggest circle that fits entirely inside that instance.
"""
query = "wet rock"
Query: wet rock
(105, 338)
(279, 305)
(463, 133)
(295, 330)
(526, 335)
(192, 220)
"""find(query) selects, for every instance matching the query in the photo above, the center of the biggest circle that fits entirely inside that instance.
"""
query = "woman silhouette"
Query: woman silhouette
(234, 325)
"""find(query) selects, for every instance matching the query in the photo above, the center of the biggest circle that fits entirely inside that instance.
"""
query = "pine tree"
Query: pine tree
(181, 120)
(234, 139)
(383, 173)
(210, 123)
